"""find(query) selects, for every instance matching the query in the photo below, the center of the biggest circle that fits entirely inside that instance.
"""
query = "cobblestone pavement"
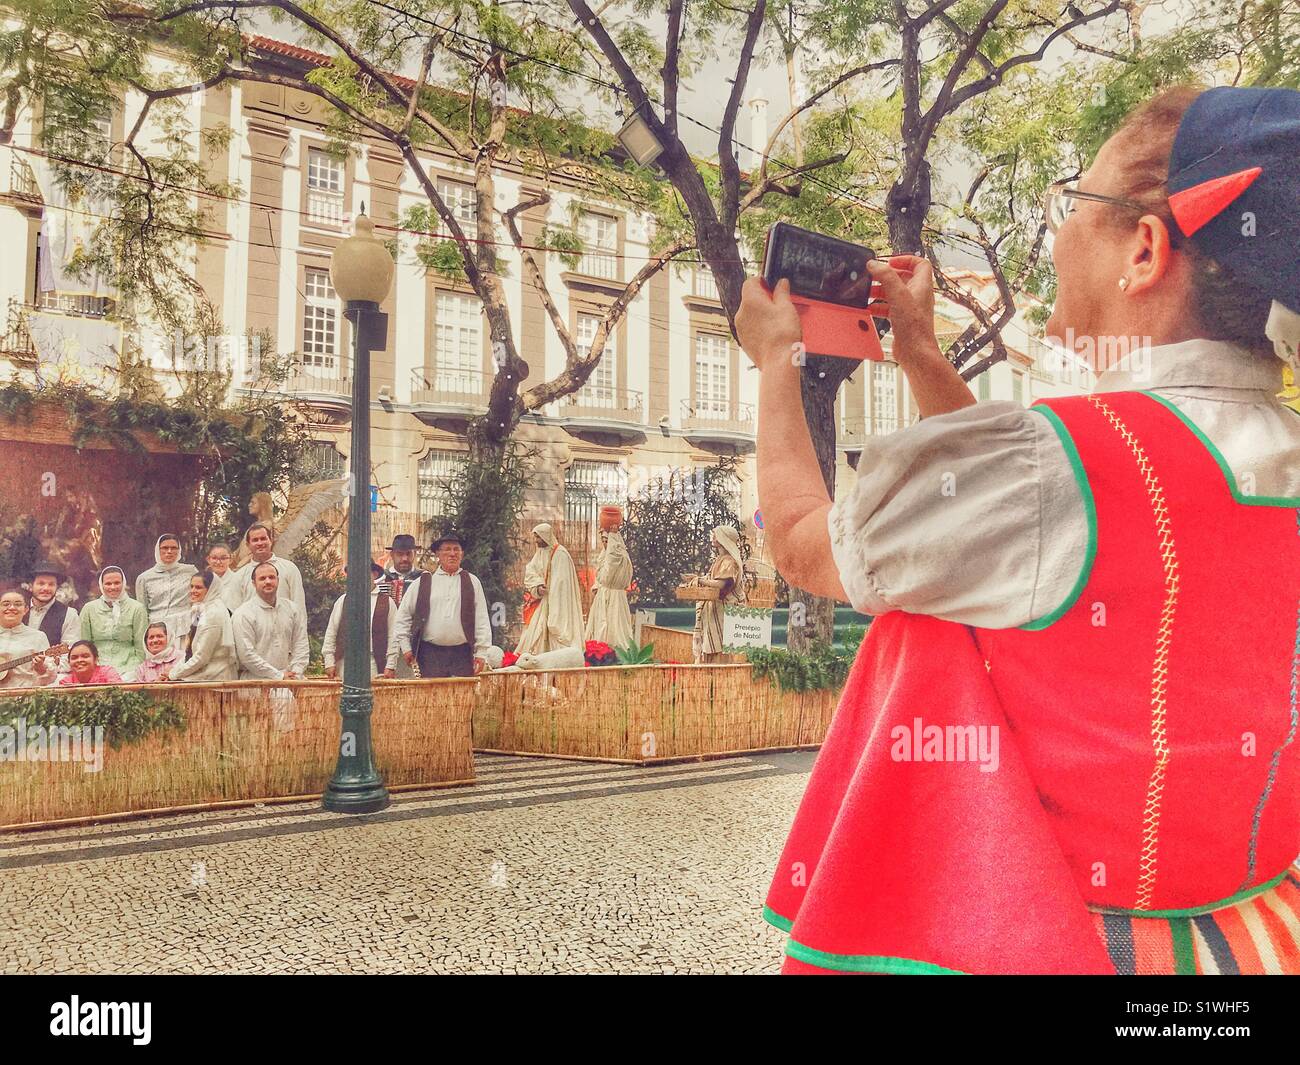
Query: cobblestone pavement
(542, 866)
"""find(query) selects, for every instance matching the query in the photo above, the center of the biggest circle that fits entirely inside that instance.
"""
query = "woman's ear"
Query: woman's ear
(1152, 255)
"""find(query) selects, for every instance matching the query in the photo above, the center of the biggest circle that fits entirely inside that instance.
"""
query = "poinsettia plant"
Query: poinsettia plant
(599, 654)
(509, 659)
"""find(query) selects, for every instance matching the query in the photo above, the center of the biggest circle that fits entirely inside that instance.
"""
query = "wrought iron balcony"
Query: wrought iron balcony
(853, 432)
(448, 398)
(604, 414)
(604, 401)
(724, 427)
(22, 180)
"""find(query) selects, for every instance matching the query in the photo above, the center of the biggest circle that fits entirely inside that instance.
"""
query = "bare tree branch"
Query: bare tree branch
(726, 153)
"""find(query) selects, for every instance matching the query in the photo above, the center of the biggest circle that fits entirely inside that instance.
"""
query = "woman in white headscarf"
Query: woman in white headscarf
(727, 575)
(115, 623)
(209, 653)
(164, 590)
(551, 579)
(610, 620)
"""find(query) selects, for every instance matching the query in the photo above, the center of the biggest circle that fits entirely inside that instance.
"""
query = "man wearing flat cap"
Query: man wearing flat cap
(58, 621)
(443, 621)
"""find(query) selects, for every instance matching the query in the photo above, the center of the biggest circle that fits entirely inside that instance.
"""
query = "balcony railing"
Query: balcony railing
(17, 342)
(704, 283)
(724, 417)
(22, 180)
(316, 381)
(449, 387)
(599, 264)
(853, 430)
(325, 208)
(605, 401)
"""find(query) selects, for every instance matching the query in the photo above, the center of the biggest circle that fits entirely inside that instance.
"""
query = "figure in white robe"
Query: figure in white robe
(164, 590)
(556, 621)
(270, 633)
(610, 620)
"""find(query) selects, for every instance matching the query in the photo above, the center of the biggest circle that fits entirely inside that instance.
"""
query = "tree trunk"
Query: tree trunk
(812, 618)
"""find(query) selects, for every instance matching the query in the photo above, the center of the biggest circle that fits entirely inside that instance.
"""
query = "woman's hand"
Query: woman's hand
(905, 284)
(767, 324)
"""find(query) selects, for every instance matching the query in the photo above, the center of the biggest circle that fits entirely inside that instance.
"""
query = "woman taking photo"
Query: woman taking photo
(1068, 743)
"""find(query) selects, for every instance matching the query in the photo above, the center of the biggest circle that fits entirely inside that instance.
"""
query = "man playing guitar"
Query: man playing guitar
(23, 650)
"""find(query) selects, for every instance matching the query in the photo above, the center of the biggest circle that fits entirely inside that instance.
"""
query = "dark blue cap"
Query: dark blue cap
(1233, 185)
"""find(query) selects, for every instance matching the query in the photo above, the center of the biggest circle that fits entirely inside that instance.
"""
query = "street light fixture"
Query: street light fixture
(361, 270)
(639, 140)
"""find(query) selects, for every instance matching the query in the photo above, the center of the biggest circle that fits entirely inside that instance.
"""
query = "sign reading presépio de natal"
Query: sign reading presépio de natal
(746, 626)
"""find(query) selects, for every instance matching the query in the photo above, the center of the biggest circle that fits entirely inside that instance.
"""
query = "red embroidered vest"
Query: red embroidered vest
(1155, 708)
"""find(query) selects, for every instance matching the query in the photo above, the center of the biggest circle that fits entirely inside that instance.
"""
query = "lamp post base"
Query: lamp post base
(356, 799)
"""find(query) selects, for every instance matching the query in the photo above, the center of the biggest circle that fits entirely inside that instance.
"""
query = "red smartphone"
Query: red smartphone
(824, 274)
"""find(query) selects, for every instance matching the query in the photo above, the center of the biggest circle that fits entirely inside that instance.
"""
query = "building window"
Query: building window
(324, 188)
(985, 389)
(320, 462)
(590, 485)
(458, 343)
(1018, 387)
(712, 375)
(704, 283)
(437, 468)
(884, 398)
(599, 235)
(319, 321)
(600, 389)
(461, 200)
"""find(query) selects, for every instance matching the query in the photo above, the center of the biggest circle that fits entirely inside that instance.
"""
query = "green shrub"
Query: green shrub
(126, 716)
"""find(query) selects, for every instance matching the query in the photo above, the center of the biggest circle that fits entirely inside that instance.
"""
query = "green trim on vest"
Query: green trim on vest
(1196, 911)
(1090, 510)
(1245, 500)
(867, 963)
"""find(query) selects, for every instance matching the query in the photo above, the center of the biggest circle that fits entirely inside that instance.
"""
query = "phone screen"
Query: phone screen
(818, 267)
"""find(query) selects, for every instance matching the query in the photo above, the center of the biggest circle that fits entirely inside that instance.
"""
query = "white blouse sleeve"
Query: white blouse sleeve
(974, 516)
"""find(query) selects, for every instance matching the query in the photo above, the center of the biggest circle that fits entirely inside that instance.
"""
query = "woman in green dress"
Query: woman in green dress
(115, 622)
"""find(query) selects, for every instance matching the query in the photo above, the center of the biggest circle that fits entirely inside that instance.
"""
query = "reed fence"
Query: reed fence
(645, 714)
(248, 741)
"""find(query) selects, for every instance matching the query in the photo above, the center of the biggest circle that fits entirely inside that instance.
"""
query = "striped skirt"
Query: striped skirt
(1260, 934)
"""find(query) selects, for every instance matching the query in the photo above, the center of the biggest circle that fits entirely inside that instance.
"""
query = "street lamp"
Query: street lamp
(361, 271)
(639, 140)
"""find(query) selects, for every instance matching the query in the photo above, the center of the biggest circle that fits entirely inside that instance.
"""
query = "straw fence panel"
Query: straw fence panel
(247, 741)
(645, 713)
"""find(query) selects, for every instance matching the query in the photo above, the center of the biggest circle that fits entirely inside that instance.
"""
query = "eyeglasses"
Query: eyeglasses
(1060, 199)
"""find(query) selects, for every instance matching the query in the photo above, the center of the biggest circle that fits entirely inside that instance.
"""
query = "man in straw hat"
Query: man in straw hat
(443, 622)
(726, 574)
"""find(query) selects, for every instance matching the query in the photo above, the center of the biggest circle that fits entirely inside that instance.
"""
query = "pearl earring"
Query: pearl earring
(1123, 283)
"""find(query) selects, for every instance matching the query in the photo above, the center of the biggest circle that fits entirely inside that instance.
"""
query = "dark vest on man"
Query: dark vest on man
(52, 623)
(422, 606)
(378, 634)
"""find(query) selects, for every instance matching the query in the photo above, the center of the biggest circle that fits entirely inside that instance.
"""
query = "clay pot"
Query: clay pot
(611, 519)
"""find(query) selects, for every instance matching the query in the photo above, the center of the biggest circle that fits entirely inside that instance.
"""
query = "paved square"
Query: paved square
(543, 866)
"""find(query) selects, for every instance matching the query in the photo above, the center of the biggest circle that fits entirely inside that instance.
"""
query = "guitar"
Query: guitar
(55, 652)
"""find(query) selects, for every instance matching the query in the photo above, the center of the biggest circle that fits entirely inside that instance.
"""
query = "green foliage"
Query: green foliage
(635, 654)
(126, 716)
(485, 504)
(669, 525)
(247, 447)
(825, 667)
